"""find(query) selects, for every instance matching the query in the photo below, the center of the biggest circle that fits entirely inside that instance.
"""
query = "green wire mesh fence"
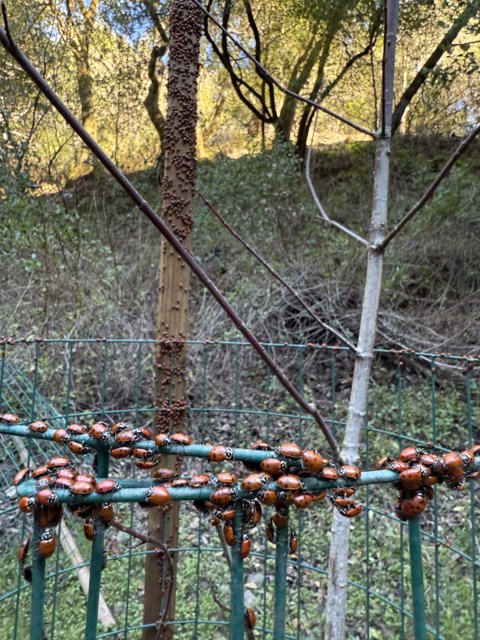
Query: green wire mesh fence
(416, 398)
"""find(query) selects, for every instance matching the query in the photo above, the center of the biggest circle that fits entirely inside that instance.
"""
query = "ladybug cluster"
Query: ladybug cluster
(419, 470)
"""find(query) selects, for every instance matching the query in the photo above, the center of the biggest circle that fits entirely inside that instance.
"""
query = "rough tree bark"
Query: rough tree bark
(174, 285)
(339, 547)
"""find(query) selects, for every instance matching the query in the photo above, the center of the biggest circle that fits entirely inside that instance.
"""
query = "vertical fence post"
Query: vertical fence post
(280, 603)
(37, 609)
(237, 616)
(96, 559)
(416, 577)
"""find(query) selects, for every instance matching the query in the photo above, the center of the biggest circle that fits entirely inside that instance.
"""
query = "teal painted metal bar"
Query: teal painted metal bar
(96, 561)
(416, 577)
(37, 609)
(237, 604)
(280, 602)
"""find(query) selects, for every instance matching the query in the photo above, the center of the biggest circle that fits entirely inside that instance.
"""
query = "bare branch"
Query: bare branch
(170, 237)
(324, 216)
(276, 275)
(429, 192)
(5, 22)
(432, 61)
(278, 84)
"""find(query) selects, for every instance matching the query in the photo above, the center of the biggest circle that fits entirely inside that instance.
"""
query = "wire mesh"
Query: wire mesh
(415, 398)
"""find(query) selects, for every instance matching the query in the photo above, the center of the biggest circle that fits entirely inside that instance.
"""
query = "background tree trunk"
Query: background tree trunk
(174, 285)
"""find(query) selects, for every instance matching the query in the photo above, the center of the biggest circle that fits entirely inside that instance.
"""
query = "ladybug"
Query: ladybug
(273, 466)
(413, 506)
(99, 431)
(199, 480)
(162, 440)
(227, 514)
(260, 445)
(458, 485)
(270, 531)
(26, 504)
(246, 546)
(86, 477)
(303, 501)
(144, 432)
(146, 464)
(203, 506)
(411, 478)
(219, 453)
(44, 483)
(127, 436)
(267, 496)
(78, 448)
(158, 495)
(61, 482)
(89, 529)
(349, 471)
(254, 481)
(121, 452)
(49, 515)
(77, 429)
(280, 518)
(66, 472)
(318, 497)
(289, 483)
(43, 470)
(428, 459)
(143, 454)
(180, 438)
(290, 450)
(344, 492)
(313, 461)
(23, 550)
(383, 463)
(21, 476)
(108, 486)
(292, 543)
(47, 543)
(250, 618)
(467, 457)
(329, 473)
(351, 512)
(452, 461)
(410, 454)
(475, 450)
(81, 488)
(223, 496)
(229, 534)
(38, 426)
(58, 462)
(9, 418)
(342, 503)
(106, 512)
(256, 513)
(164, 474)
(226, 477)
(397, 466)
(61, 436)
(119, 426)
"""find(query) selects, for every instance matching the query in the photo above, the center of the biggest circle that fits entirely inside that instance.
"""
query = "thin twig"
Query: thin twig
(5, 22)
(323, 214)
(276, 275)
(170, 236)
(225, 549)
(429, 192)
(262, 71)
(163, 549)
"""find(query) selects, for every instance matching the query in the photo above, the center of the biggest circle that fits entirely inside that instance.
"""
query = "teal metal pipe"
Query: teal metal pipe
(96, 561)
(416, 577)
(280, 602)
(237, 602)
(37, 608)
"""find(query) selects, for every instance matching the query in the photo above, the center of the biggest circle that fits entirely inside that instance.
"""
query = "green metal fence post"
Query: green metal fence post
(37, 609)
(237, 616)
(96, 560)
(280, 603)
(416, 569)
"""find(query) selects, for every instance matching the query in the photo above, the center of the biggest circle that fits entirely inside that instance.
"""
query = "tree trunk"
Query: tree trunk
(174, 286)
(339, 548)
(85, 94)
